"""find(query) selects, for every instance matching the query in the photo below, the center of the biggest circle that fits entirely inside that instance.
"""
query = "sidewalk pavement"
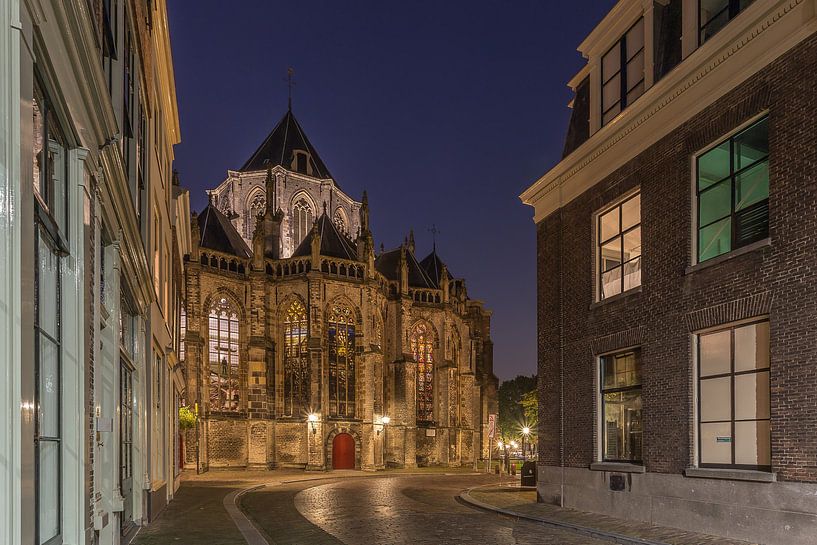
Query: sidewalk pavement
(516, 501)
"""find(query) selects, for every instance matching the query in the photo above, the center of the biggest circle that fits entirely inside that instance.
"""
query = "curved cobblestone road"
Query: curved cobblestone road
(389, 510)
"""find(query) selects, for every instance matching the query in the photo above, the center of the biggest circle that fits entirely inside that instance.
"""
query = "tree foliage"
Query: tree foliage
(512, 413)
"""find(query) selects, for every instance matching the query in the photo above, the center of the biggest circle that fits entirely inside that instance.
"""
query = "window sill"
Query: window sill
(616, 297)
(617, 467)
(749, 248)
(730, 474)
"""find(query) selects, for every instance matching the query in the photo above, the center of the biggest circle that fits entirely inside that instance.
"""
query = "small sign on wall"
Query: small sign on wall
(431, 432)
(723, 439)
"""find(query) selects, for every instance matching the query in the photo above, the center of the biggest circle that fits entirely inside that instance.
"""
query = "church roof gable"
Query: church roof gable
(218, 233)
(433, 267)
(388, 264)
(333, 242)
(278, 149)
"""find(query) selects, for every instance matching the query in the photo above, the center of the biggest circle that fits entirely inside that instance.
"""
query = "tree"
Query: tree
(512, 414)
(530, 407)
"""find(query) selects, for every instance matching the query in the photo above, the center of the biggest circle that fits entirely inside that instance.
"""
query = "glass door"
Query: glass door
(126, 442)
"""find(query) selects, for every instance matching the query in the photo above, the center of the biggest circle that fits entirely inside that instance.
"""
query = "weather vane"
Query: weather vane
(290, 83)
(434, 232)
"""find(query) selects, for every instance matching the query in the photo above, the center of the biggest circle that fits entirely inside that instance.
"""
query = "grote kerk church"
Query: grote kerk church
(305, 347)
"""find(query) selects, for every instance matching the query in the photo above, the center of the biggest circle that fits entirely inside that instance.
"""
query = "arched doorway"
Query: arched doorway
(343, 451)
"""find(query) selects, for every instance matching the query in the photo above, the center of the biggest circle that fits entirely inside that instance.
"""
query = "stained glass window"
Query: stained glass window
(422, 346)
(225, 393)
(296, 365)
(341, 333)
(301, 220)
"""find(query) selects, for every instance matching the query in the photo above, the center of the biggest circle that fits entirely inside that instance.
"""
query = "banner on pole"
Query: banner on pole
(491, 426)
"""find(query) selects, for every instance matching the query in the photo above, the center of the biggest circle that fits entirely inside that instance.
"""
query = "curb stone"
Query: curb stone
(585, 530)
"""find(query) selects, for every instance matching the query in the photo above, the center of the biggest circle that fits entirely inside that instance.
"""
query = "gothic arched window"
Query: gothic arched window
(422, 346)
(301, 220)
(339, 220)
(341, 333)
(225, 393)
(255, 207)
(296, 364)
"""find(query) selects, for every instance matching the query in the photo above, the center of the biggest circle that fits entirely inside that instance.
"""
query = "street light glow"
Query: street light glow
(526, 431)
(513, 444)
(500, 444)
(312, 417)
(386, 420)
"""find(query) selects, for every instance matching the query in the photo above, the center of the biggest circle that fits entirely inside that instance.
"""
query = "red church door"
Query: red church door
(343, 451)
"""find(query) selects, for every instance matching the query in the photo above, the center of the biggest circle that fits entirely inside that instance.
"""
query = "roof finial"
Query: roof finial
(290, 84)
(434, 232)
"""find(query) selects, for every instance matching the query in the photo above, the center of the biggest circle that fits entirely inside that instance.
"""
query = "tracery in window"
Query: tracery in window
(422, 346)
(256, 206)
(341, 332)
(301, 220)
(339, 220)
(296, 365)
(225, 392)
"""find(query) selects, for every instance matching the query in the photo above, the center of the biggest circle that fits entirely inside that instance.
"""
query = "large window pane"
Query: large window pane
(611, 63)
(632, 244)
(631, 212)
(47, 289)
(752, 144)
(716, 443)
(632, 274)
(49, 490)
(715, 239)
(716, 353)
(713, 166)
(49, 388)
(715, 203)
(635, 71)
(611, 283)
(752, 347)
(752, 396)
(752, 186)
(611, 254)
(635, 39)
(622, 425)
(753, 443)
(716, 399)
(611, 93)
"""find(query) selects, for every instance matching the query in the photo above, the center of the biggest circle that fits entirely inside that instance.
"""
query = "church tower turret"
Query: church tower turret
(272, 221)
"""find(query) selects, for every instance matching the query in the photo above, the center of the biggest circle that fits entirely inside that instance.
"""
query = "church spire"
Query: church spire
(290, 85)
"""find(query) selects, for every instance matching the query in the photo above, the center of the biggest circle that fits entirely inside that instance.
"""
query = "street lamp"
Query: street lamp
(525, 433)
(312, 419)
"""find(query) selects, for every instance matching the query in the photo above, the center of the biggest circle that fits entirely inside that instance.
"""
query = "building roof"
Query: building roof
(218, 233)
(333, 242)
(433, 267)
(388, 264)
(278, 148)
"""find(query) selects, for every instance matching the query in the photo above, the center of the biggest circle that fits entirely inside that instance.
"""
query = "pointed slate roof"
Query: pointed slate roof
(218, 233)
(388, 264)
(278, 148)
(333, 242)
(433, 267)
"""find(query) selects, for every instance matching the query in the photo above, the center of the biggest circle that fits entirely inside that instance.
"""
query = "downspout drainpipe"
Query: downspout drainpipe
(561, 359)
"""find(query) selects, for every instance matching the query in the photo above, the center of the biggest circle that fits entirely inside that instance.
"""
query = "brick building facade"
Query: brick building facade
(677, 274)
(305, 348)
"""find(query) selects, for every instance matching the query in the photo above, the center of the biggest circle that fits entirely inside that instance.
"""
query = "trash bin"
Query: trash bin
(529, 474)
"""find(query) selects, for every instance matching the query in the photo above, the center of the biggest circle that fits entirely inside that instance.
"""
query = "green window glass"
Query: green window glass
(733, 192)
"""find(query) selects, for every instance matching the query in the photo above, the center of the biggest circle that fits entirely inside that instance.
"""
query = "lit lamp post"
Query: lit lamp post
(525, 434)
(312, 419)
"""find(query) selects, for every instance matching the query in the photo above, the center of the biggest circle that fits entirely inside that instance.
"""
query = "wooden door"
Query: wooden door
(343, 451)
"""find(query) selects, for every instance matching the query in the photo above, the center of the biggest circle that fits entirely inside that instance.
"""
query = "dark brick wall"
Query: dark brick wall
(782, 276)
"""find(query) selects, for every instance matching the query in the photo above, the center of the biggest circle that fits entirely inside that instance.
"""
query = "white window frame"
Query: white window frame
(596, 269)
